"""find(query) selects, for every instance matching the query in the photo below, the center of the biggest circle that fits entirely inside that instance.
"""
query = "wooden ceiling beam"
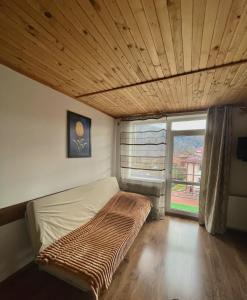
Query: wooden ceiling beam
(231, 64)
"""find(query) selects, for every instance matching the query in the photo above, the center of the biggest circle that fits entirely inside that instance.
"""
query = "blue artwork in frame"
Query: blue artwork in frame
(79, 135)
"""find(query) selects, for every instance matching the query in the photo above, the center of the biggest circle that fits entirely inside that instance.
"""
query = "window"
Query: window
(142, 149)
(168, 150)
(186, 142)
(188, 125)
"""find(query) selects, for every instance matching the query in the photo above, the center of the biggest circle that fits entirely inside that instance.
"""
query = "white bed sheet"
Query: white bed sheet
(49, 218)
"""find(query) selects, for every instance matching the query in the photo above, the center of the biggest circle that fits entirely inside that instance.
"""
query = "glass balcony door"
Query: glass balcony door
(184, 166)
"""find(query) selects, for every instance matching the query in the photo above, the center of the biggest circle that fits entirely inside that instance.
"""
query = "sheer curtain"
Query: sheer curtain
(142, 160)
(215, 170)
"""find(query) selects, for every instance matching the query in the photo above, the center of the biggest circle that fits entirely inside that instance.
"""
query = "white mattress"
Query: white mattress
(51, 217)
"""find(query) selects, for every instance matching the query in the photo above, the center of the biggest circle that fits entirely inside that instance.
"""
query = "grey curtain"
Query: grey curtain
(215, 170)
(142, 160)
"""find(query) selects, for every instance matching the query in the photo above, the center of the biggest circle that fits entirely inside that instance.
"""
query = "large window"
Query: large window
(168, 150)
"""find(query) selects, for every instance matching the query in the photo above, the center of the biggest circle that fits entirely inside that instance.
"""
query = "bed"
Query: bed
(53, 222)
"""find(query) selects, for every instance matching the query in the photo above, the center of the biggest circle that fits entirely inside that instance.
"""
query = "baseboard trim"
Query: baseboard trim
(236, 230)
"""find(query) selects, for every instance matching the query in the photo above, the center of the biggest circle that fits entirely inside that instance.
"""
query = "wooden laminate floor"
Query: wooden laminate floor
(171, 259)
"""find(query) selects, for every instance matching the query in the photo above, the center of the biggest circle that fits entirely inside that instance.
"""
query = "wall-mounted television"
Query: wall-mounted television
(242, 148)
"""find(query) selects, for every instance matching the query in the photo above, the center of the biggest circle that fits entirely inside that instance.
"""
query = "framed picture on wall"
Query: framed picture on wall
(79, 135)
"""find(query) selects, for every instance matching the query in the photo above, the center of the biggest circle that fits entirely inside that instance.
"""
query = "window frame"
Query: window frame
(169, 159)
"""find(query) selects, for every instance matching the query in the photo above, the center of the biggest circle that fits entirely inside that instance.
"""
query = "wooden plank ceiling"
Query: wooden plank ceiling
(110, 53)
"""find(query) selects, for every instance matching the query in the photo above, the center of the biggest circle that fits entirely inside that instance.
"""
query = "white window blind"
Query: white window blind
(143, 149)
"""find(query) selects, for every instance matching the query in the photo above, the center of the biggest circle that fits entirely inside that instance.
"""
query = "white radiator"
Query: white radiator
(237, 212)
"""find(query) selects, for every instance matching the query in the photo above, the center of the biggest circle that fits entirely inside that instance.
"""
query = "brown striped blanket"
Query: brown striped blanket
(95, 250)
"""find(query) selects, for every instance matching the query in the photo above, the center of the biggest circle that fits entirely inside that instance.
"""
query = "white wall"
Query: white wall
(15, 248)
(238, 178)
(33, 152)
(237, 207)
